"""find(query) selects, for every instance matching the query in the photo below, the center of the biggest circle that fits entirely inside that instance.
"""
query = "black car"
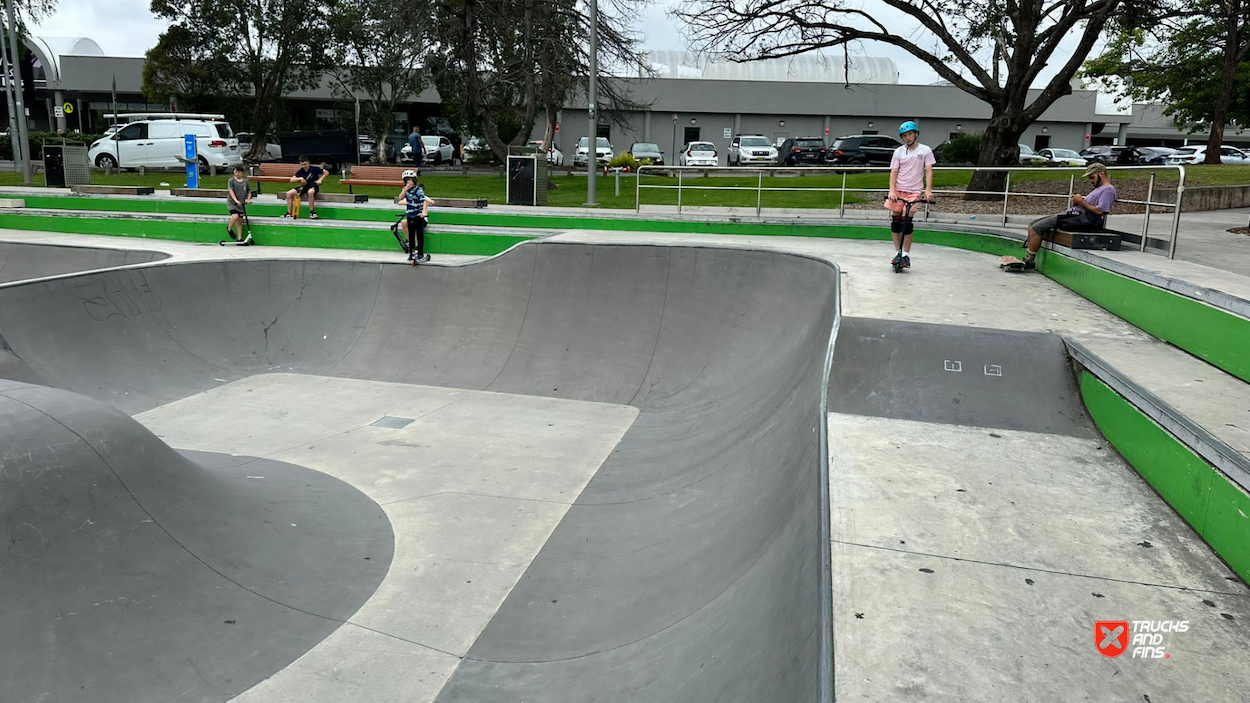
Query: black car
(862, 149)
(647, 151)
(1115, 155)
(803, 150)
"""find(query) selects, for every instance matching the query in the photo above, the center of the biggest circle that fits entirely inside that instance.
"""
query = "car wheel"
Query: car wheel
(332, 166)
(105, 161)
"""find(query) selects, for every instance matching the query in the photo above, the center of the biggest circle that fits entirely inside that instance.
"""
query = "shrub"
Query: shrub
(624, 160)
(962, 149)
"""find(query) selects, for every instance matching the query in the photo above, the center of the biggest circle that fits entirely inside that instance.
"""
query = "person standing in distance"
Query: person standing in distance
(910, 169)
(418, 148)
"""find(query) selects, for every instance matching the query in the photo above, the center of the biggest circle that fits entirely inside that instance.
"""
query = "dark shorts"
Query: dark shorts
(234, 209)
(1083, 222)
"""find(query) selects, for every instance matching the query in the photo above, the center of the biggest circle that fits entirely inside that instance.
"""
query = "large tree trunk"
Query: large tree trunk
(1228, 72)
(1000, 146)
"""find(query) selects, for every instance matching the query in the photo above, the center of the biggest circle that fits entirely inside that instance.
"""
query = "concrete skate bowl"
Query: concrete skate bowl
(689, 569)
(25, 261)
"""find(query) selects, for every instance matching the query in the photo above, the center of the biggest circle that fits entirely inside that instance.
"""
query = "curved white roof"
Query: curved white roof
(815, 68)
(51, 49)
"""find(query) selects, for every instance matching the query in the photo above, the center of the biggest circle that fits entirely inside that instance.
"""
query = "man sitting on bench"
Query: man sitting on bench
(1088, 212)
(309, 179)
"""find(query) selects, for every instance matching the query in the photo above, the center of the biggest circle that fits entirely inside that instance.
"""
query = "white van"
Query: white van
(159, 143)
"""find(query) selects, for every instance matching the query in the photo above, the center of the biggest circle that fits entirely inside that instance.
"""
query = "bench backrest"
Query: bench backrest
(379, 173)
(274, 169)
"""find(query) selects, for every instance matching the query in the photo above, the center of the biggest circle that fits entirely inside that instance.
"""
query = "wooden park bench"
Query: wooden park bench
(271, 172)
(112, 190)
(198, 193)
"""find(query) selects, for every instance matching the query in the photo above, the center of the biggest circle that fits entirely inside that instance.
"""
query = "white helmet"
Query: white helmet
(408, 174)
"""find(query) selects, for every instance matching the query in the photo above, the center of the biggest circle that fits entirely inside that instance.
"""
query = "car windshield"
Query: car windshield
(1065, 153)
(645, 147)
(756, 141)
(223, 130)
(602, 143)
(842, 143)
(1187, 151)
(809, 142)
(702, 146)
(1025, 150)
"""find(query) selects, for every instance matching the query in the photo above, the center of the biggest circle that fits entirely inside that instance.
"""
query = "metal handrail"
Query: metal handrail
(760, 189)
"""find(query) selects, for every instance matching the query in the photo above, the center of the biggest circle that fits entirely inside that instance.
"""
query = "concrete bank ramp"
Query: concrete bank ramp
(19, 262)
(687, 570)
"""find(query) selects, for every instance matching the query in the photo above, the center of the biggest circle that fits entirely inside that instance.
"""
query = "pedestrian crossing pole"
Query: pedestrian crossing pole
(592, 141)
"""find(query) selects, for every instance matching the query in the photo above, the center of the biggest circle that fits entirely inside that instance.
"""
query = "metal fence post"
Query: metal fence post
(842, 207)
(759, 194)
(679, 191)
(1006, 192)
(1071, 188)
(1150, 196)
(1176, 218)
(638, 189)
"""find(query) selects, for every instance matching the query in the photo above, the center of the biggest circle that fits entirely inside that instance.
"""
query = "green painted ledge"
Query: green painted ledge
(264, 234)
(1213, 505)
(1214, 335)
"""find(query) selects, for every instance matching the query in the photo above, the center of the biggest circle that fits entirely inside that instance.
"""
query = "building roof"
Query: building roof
(813, 68)
(49, 51)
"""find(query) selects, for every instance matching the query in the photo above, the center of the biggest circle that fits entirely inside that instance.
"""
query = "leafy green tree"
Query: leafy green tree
(263, 48)
(379, 57)
(1192, 57)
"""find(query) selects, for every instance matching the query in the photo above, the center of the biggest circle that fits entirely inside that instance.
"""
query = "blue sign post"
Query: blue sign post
(193, 162)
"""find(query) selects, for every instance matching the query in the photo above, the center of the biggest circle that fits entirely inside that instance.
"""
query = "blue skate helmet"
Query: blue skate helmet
(908, 126)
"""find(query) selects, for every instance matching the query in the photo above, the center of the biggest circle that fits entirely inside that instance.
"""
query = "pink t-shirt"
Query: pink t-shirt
(911, 164)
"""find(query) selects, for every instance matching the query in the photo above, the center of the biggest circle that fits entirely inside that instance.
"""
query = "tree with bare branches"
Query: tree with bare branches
(994, 50)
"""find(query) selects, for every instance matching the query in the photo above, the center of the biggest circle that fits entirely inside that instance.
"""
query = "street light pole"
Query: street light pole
(8, 94)
(592, 142)
(19, 109)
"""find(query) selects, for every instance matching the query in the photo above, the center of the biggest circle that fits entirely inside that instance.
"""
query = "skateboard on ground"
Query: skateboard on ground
(1011, 264)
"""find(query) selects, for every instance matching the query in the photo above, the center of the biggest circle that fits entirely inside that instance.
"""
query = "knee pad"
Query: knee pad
(908, 226)
(896, 224)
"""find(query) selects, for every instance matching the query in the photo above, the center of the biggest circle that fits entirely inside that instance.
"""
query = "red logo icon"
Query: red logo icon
(1111, 637)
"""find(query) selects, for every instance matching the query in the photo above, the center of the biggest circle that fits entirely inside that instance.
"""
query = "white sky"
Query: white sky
(127, 28)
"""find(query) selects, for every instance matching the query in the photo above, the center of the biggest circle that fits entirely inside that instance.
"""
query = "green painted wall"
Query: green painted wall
(286, 235)
(1216, 507)
(1209, 333)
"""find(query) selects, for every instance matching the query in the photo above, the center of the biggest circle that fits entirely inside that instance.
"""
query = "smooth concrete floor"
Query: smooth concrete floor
(971, 564)
(473, 487)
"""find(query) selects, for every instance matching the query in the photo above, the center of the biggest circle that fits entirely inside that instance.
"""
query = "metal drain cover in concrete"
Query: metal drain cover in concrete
(393, 423)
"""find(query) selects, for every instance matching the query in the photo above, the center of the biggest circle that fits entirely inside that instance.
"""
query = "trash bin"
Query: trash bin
(527, 179)
(66, 165)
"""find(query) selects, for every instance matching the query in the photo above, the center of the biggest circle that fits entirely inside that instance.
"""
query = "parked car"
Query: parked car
(438, 151)
(160, 143)
(1028, 157)
(272, 150)
(803, 150)
(1114, 155)
(1197, 154)
(603, 151)
(1155, 155)
(368, 147)
(751, 149)
(555, 157)
(646, 151)
(1062, 157)
(698, 154)
(476, 150)
(862, 150)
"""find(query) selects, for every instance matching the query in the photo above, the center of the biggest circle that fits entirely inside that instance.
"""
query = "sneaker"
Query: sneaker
(1030, 264)
(411, 256)
(313, 216)
(286, 215)
(895, 261)
(425, 258)
(230, 232)
(906, 261)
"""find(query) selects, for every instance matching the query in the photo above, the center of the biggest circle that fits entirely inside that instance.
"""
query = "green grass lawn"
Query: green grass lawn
(570, 190)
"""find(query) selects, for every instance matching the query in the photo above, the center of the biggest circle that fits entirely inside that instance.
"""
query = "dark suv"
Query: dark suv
(803, 150)
(862, 149)
(1115, 155)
